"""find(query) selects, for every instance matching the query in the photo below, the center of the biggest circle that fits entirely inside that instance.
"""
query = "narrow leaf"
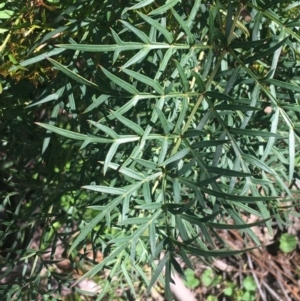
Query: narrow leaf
(145, 80)
(158, 26)
(164, 8)
(148, 164)
(292, 147)
(96, 220)
(107, 130)
(158, 270)
(183, 25)
(103, 48)
(246, 132)
(140, 4)
(285, 85)
(129, 280)
(105, 189)
(166, 125)
(72, 74)
(229, 226)
(134, 221)
(130, 124)
(96, 269)
(181, 154)
(145, 39)
(243, 199)
(217, 95)
(96, 103)
(138, 57)
(258, 163)
(208, 143)
(199, 81)
(121, 83)
(74, 135)
(263, 54)
(227, 172)
(182, 77)
(229, 107)
(112, 150)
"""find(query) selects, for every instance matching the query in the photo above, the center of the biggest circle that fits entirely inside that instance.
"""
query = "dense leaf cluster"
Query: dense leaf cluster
(166, 122)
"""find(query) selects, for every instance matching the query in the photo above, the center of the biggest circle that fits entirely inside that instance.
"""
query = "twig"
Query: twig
(282, 287)
(272, 292)
(262, 294)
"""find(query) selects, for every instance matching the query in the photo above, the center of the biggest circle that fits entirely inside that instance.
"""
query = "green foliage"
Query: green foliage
(229, 289)
(288, 243)
(250, 288)
(212, 298)
(247, 291)
(209, 278)
(191, 281)
(143, 128)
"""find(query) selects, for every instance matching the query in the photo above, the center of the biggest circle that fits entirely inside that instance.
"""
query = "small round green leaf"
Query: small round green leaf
(288, 243)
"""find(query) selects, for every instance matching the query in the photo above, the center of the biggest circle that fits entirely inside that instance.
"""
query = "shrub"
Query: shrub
(166, 122)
